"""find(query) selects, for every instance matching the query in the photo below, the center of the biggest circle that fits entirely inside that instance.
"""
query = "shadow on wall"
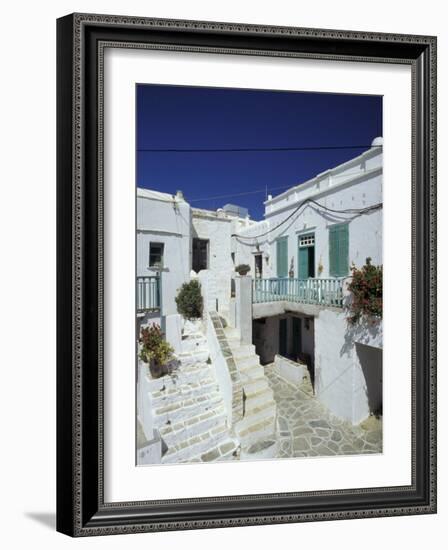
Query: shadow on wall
(357, 339)
(371, 361)
(362, 332)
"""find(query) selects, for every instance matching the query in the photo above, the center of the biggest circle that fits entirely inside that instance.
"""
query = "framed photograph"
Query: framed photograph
(246, 274)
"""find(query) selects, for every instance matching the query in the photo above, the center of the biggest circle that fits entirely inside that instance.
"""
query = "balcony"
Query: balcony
(148, 293)
(320, 292)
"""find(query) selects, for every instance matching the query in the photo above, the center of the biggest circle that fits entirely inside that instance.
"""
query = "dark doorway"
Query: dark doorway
(259, 266)
(200, 255)
(296, 337)
(283, 337)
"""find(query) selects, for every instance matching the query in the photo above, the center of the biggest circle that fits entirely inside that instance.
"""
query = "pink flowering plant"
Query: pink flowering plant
(366, 287)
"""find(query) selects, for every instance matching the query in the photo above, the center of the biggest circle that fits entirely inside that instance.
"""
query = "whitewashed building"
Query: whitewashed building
(301, 256)
(162, 257)
(289, 310)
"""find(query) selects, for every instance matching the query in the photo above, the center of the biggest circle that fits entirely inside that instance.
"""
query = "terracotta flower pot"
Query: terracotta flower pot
(155, 368)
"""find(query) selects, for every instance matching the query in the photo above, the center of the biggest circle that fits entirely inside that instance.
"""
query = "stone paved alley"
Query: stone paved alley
(306, 428)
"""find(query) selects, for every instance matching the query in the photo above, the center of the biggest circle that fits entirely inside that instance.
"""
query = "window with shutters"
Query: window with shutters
(282, 257)
(338, 245)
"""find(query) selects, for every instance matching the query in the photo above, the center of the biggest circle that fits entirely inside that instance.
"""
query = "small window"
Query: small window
(200, 255)
(156, 254)
(306, 240)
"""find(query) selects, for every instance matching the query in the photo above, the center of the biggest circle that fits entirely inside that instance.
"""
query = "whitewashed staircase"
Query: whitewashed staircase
(188, 409)
(257, 429)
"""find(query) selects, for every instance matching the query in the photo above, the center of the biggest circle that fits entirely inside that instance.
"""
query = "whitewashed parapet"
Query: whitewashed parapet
(243, 322)
(225, 366)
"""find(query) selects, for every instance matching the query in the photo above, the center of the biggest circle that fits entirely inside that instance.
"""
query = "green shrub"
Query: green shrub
(366, 287)
(189, 300)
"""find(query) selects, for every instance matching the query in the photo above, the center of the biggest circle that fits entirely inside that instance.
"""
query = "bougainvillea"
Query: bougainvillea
(366, 287)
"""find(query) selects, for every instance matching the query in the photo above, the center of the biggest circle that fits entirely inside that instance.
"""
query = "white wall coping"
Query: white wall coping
(370, 153)
(160, 232)
(320, 192)
(211, 215)
(156, 195)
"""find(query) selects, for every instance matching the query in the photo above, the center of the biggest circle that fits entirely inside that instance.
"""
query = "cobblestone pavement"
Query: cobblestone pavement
(307, 428)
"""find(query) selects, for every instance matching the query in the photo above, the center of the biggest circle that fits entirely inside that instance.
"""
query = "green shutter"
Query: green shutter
(338, 241)
(282, 257)
(303, 262)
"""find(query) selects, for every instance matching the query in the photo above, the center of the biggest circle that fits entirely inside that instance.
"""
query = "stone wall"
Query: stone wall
(217, 230)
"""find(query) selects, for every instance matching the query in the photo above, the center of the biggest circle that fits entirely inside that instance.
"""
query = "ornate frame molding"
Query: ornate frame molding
(82, 39)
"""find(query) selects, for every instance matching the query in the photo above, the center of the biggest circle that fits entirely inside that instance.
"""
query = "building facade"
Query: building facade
(300, 257)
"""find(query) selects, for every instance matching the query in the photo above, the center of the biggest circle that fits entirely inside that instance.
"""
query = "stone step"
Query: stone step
(223, 451)
(190, 358)
(177, 432)
(254, 386)
(259, 398)
(265, 429)
(248, 374)
(184, 391)
(241, 350)
(185, 374)
(191, 345)
(247, 362)
(257, 414)
(188, 408)
(232, 333)
(194, 448)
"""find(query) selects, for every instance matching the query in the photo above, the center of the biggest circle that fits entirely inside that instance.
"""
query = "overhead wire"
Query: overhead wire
(256, 191)
(252, 149)
(322, 206)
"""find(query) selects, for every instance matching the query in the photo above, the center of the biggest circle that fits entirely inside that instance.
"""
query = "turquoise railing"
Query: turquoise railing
(322, 292)
(148, 293)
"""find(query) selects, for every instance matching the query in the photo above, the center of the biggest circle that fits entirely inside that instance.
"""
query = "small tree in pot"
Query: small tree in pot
(155, 351)
(242, 269)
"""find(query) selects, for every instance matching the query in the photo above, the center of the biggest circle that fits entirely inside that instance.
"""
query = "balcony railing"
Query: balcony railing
(148, 293)
(322, 292)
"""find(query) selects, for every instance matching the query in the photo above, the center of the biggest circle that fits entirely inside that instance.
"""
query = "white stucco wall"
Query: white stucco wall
(352, 185)
(216, 227)
(246, 249)
(340, 382)
(164, 219)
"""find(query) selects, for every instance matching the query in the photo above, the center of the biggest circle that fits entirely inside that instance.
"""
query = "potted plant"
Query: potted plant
(242, 269)
(155, 351)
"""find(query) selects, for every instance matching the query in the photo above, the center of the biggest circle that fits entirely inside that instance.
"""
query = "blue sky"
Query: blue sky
(184, 117)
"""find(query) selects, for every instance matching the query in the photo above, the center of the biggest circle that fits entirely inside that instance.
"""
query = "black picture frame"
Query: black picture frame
(81, 510)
